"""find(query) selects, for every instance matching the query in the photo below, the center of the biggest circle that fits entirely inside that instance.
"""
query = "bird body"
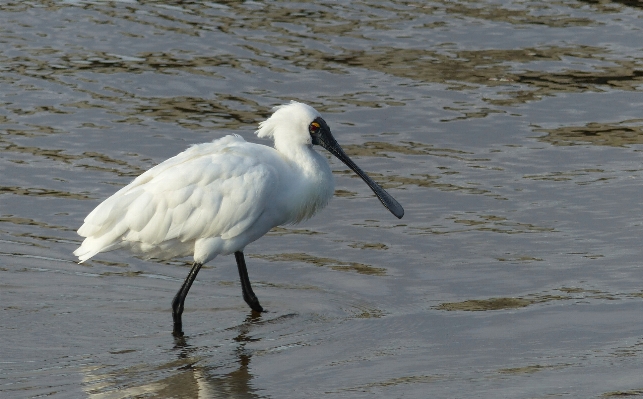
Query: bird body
(216, 198)
(213, 198)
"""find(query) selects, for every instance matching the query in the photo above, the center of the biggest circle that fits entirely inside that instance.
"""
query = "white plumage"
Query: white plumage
(215, 198)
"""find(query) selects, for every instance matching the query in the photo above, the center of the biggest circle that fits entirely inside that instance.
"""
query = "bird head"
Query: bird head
(300, 124)
(289, 124)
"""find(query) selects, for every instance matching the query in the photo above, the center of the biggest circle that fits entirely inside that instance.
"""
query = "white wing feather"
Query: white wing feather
(217, 189)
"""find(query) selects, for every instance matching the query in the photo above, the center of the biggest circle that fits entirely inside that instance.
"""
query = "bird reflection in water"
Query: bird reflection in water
(187, 376)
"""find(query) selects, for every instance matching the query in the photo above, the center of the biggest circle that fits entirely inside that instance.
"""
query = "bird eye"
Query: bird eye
(314, 128)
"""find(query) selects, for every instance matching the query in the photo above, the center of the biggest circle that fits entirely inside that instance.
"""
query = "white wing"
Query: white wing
(217, 189)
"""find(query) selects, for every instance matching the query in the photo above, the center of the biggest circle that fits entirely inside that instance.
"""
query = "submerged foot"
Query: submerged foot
(178, 329)
(253, 302)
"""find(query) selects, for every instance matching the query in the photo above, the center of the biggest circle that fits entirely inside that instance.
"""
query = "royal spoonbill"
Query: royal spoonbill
(216, 198)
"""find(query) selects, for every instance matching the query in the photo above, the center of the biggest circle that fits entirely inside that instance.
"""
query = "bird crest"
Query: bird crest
(290, 119)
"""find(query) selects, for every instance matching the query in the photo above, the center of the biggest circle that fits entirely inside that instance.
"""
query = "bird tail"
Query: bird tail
(92, 246)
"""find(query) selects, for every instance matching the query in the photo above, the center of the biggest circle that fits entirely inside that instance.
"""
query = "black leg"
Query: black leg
(248, 295)
(179, 299)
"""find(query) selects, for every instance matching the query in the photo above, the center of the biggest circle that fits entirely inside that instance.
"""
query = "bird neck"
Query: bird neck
(315, 184)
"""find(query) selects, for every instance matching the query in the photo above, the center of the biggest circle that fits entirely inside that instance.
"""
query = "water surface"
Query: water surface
(511, 132)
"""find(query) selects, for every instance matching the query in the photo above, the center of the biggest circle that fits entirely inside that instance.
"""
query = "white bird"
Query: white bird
(216, 198)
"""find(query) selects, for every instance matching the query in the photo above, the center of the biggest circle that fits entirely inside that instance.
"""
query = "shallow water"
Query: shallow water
(511, 132)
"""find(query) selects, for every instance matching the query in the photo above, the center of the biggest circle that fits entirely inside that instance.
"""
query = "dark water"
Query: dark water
(510, 131)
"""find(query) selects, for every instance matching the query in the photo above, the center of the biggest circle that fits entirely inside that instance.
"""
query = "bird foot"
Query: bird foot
(178, 330)
(253, 302)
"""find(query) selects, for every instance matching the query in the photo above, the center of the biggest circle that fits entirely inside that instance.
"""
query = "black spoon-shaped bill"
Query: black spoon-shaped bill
(324, 138)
